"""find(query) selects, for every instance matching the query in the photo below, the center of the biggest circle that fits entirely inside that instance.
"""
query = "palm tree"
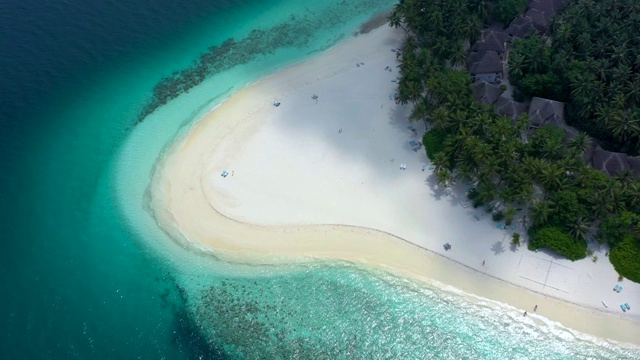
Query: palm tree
(481, 8)
(582, 85)
(517, 65)
(552, 148)
(625, 178)
(532, 165)
(482, 153)
(486, 191)
(472, 27)
(436, 21)
(458, 120)
(441, 48)
(524, 194)
(509, 214)
(583, 40)
(522, 123)
(621, 73)
(551, 176)
(580, 143)
(562, 34)
(490, 168)
(633, 89)
(624, 127)
(600, 204)
(440, 118)
(603, 67)
(541, 212)
(458, 55)
(420, 112)
(444, 177)
(619, 53)
(619, 100)
(579, 228)
(396, 17)
(441, 162)
(502, 128)
(633, 195)
(414, 91)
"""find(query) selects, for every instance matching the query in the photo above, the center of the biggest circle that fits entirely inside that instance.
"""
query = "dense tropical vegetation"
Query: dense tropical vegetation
(510, 168)
(507, 10)
(592, 62)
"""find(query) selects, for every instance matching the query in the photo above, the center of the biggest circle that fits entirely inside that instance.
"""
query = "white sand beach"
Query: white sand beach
(322, 179)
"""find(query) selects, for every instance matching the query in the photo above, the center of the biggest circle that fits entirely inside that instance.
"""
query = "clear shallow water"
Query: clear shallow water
(86, 274)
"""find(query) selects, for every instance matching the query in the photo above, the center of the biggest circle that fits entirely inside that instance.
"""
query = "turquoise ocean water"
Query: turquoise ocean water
(87, 274)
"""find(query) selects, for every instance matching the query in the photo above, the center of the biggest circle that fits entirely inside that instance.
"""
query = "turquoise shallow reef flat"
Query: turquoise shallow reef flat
(92, 93)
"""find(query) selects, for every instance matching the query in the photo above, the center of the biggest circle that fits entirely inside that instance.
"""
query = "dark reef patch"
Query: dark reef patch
(297, 32)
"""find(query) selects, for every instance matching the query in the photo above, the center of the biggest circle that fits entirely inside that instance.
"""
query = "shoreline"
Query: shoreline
(192, 202)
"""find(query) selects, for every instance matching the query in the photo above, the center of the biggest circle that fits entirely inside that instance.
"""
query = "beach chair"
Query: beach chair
(624, 309)
(224, 173)
(314, 97)
(500, 226)
(627, 306)
(276, 103)
(447, 246)
(617, 288)
(465, 204)
(431, 167)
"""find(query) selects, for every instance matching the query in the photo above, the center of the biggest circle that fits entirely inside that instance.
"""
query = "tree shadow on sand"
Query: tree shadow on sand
(498, 247)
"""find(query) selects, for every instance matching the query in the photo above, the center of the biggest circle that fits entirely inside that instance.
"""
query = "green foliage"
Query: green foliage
(625, 258)
(515, 239)
(592, 63)
(433, 141)
(503, 87)
(497, 216)
(471, 141)
(544, 140)
(559, 241)
(567, 208)
(509, 214)
(507, 10)
(441, 24)
(615, 229)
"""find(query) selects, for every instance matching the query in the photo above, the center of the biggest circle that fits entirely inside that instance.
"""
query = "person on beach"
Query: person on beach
(535, 308)
(483, 262)
(525, 314)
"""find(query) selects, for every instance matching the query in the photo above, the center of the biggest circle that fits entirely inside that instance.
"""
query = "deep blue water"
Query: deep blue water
(62, 280)
(84, 272)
